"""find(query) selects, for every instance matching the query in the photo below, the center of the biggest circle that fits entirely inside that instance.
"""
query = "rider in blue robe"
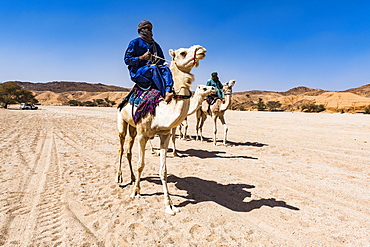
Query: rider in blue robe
(146, 70)
(215, 82)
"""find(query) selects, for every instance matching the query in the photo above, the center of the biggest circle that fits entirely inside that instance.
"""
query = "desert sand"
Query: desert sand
(284, 179)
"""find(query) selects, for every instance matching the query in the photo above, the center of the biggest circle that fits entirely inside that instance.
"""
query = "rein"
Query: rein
(179, 96)
(194, 57)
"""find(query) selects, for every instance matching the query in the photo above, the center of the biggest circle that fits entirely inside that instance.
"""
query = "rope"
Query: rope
(161, 58)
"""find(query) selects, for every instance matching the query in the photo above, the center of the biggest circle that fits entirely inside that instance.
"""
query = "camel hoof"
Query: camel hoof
(135, 195)
(175, 209)
(119, 179)
(169, 210)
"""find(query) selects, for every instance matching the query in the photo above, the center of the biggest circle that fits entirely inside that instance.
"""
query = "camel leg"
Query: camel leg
(199, 125)
(154, 151)
(202, 120)
(132, 132)
(141, 164)
(222, 119)
(185, 124)
(173, 138)
(122, 130)
(214, 129)
(170, 208)
(180, 130)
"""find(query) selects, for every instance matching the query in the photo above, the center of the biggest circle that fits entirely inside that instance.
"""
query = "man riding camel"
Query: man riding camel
(215, 82)
(145, 61)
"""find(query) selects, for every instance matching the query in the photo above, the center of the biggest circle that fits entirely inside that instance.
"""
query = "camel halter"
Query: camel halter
(194, 57)
(178, 96)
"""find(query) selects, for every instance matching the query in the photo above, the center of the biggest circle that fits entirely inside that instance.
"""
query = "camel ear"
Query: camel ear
(172, 53)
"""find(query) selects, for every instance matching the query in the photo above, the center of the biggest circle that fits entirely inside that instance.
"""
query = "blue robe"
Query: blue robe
(143, 74)
(218, 85)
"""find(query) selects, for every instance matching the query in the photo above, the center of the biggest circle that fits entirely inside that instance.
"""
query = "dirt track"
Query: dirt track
(285, 179)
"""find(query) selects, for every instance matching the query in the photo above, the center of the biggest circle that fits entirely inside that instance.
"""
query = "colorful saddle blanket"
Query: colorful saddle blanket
(211, 99)
(145, 100)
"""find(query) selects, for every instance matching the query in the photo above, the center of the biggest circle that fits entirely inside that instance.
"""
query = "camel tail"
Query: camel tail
(121, 105)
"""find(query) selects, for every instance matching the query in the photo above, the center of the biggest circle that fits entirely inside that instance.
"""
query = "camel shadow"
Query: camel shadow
(204, 154)
(249, 144)
(231, 196)
(231, 143)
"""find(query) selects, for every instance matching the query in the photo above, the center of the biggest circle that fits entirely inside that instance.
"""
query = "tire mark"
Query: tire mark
(24, 220)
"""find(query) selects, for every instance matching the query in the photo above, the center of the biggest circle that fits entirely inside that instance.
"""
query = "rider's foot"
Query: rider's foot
(168, 97)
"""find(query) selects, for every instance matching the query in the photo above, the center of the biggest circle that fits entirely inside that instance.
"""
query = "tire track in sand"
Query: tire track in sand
(22, 222)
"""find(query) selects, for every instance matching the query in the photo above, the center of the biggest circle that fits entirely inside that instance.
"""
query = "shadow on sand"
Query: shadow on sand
(230, 196)
(230, 143)
(204, 154)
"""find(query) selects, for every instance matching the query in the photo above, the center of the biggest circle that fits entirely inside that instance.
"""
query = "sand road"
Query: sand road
(284, 179)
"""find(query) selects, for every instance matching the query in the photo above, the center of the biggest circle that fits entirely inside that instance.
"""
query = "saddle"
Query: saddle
(145, 100)
(211, 100)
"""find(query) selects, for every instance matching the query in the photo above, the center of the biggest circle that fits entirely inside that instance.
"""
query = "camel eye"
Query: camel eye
(183, 53)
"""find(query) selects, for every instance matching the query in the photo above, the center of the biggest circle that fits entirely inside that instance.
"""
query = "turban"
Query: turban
(214, 74)
(146, 35)
(144, 24)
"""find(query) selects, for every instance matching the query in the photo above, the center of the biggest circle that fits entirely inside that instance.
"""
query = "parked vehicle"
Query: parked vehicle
(28, 106)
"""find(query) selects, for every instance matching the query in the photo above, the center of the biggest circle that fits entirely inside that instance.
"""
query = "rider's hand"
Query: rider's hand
(145, 56)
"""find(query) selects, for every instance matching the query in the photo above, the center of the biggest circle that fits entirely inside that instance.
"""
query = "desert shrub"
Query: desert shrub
(261, 105)
(75, 103)
(313, 108)
(89, 103)
(109, 102)
(273, 105)
(367, 110)
(241, 108)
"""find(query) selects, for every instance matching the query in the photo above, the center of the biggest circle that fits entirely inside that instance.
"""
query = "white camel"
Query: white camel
(217, 110)
(195, 103)
(167, 117)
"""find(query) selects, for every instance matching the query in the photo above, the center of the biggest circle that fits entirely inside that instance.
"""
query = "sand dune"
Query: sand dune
(285, 179)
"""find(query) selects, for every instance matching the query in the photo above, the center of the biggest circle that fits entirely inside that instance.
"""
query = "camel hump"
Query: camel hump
(213, 106)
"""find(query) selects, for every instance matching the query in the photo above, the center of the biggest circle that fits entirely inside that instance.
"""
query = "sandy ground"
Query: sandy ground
(285, 179)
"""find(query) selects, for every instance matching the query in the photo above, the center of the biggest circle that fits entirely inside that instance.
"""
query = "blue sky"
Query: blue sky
(263, 45)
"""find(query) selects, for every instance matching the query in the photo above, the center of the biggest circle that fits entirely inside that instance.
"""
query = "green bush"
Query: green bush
(367, 110)
(260, 105)
(273, 105)
(75, 103)
(313, 108)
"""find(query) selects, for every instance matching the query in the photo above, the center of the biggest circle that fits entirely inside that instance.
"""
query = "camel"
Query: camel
(217, 110)
(195, 103)
(167, 117)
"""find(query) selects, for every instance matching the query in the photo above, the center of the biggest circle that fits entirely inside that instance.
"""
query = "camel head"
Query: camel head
(183, 60)
(228, 87)
(204, 91)
(187, 58)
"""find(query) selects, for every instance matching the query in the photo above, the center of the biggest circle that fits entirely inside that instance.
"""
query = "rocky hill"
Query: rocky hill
(362, 91)
(351, 100)
(66, 86)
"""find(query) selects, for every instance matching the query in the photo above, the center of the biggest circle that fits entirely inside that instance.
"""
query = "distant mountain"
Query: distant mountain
(351, 100)
(362, 91)
(65, 86)
(302, 90)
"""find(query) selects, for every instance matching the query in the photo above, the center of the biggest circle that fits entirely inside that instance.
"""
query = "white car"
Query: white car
(28, 106)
